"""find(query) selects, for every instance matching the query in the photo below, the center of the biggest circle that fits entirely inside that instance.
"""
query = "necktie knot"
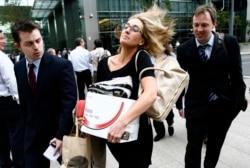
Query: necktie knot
(203, 47)
(31, 67)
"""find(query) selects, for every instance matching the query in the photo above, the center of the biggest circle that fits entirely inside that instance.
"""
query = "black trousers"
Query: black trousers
(138, 153)
(34, 156)
(83, 79)
(11, 134)
(159, 126)
(220, 115)
(34, 153)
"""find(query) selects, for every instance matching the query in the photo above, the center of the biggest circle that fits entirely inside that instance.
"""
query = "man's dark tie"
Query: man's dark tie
(32, 77)
(202, 53)
(204, 58)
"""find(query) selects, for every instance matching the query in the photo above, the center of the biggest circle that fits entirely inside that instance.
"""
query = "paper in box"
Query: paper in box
(101, 111)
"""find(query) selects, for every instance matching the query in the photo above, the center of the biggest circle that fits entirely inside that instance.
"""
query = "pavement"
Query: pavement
(169, 152)
(245, 49)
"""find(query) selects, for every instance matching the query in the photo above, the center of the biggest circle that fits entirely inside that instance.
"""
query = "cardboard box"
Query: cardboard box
(101, 111)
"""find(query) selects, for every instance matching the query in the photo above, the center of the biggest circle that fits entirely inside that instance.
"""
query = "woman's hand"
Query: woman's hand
(116, 132)
(80, 121)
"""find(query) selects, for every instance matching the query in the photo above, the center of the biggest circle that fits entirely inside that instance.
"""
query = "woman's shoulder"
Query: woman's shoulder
(143, 52)
(141, 55)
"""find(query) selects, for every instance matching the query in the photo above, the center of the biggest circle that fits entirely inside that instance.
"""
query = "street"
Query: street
(246, 65)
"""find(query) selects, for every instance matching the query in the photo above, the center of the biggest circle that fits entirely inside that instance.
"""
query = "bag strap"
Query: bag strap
(136, 58)
(150, 68)
(166, 59)
(79, 113)
(221, 41)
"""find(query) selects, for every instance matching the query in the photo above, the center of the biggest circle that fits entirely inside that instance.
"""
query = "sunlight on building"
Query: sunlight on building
(17, 2)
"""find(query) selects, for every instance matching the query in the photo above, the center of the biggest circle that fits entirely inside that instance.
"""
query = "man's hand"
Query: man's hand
(58, 144)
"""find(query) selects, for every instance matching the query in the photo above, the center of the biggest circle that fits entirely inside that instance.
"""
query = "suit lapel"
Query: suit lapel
(24, 76)
(193, 49)
(43, 72)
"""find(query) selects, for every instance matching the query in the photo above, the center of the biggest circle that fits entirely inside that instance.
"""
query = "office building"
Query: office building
(63, 20)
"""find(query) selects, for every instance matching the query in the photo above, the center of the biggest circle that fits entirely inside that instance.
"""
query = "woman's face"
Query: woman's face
(132, 33)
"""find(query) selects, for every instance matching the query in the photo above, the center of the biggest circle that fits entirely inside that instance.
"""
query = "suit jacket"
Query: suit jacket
(221, 73)
(49, 111)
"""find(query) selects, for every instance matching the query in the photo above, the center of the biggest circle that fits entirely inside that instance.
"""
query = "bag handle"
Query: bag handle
(150, 68)
(136, 58)
(80, 104)
(159, 68)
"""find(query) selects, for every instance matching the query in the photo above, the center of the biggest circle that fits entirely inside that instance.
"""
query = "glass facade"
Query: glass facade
(103, 19)
(113, 13)
(182, 11)
(111, 16)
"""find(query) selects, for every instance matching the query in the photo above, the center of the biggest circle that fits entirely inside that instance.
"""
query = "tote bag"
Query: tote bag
(171, 80)
(76, 150)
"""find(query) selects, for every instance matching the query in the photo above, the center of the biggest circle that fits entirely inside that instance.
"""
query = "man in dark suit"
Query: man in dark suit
(216, 91)
(47, 98)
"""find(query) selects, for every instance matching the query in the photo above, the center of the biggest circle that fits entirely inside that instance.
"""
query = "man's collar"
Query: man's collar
(210, 41)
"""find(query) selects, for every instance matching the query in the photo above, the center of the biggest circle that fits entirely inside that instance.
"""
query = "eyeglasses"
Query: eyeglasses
(134, 28)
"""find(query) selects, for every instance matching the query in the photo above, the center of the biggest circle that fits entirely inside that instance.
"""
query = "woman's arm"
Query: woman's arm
(144, 101)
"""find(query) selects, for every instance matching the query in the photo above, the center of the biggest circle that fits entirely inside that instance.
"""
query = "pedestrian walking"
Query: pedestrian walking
(47, 91)
(216, 91)
(142, 31)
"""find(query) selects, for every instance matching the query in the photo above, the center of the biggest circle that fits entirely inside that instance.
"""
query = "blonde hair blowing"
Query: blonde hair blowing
(158, 29)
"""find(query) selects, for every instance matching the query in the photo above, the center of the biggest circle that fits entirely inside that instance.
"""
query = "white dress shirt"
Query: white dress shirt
(8, 84)
(36, 67)
(80, 59)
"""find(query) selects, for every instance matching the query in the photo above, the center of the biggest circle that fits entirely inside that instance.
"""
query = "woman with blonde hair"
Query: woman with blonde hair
(143, 31)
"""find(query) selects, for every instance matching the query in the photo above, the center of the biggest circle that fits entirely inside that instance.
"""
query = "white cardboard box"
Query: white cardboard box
(101, 111)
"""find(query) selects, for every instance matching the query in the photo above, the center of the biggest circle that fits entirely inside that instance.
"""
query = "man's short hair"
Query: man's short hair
(78, 41)
(23, 26)
(98, 43)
